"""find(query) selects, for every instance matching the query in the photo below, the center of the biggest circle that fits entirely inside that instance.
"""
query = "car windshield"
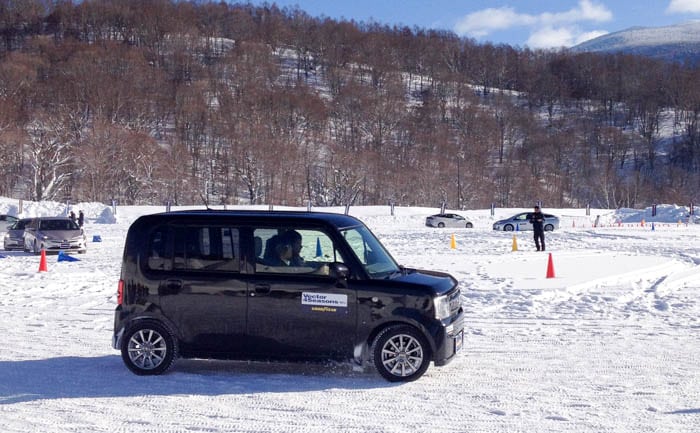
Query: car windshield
(370, 252)
(58, 225)
(20, 225)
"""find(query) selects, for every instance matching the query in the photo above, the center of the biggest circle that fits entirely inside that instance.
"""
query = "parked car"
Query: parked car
(194, 284)
(54, 234)
(6, 221)
(521, 222)
(14, 237)
(448, 220)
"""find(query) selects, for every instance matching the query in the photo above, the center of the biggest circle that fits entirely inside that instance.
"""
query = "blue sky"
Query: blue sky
(531, 23)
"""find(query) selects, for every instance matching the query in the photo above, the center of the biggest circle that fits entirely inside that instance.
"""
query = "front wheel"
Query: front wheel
(508, 228)
(441, 225)
(148, 348)
(401, 354)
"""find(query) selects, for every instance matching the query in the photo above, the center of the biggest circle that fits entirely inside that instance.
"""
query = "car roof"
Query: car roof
(339, 221)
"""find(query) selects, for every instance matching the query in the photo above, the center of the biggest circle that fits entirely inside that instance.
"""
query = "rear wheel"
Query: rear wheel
(549, 228)
(148, 348)
(401, 354)
(470, 225)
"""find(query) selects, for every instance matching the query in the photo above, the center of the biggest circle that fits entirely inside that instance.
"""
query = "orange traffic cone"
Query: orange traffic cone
(515, 244)
(453, 242)
(550, 267)
(42, 263)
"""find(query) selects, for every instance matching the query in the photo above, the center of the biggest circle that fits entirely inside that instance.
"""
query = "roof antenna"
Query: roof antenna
(205, 201)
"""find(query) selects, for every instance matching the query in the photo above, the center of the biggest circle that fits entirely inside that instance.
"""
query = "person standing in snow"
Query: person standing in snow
(71, 215)
(81, 219)
(537, 221)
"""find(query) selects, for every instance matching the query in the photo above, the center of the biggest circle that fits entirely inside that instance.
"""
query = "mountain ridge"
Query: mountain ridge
(678, 43)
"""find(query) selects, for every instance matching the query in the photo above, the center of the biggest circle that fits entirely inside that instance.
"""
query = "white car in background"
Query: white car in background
(54, 234)
(448, 220)
(521, 221)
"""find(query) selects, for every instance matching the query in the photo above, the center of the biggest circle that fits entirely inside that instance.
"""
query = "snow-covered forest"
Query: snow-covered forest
(185, 102)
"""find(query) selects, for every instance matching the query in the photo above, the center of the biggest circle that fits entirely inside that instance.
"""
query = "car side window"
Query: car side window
(158, 252)
(195, 248)
(291, 250)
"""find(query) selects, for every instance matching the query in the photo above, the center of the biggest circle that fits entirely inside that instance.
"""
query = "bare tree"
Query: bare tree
(49, 155)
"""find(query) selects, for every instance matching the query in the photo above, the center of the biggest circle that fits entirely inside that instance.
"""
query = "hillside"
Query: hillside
(221, 103)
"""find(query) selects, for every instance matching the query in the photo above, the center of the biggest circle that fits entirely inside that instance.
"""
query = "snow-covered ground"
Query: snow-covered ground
(610, 344)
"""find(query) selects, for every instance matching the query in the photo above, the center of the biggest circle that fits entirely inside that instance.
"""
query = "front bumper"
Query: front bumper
(451, 341)
(13, 244)
(71, 245)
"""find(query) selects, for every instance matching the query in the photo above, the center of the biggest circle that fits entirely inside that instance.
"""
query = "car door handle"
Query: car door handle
(172, 286)
(261, 289)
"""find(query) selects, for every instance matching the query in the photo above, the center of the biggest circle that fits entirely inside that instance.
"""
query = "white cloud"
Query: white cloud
(557, 37)
(483, 22)
(550, 37)
(547, 29)
(683, 6)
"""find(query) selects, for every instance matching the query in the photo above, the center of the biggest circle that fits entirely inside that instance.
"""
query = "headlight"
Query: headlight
(442, 307)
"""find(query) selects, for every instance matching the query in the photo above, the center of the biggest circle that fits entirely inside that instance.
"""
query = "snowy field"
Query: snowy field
(610, 344)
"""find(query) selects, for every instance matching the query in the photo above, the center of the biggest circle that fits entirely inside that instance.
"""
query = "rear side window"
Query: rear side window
(194, 248)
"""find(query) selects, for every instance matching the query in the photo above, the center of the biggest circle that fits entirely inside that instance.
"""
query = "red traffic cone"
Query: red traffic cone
(550, 267)
(42, 263)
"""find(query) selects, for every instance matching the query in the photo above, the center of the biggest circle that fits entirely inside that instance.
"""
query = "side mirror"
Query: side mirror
(339, 271)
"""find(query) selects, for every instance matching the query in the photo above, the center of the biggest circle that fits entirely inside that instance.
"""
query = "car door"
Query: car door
(523, 221)
(30, 234)
(301, 311)
(199, 285)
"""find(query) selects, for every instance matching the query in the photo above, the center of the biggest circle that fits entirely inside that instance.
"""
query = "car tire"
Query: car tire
(508, 228)
(549, 228)
(441, 225)
(148, 348)
(400, 354)
(470, 225)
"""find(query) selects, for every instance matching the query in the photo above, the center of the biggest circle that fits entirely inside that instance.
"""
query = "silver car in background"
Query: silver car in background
(54, 234)
(14, 237)
(521, 221)
(448, 220)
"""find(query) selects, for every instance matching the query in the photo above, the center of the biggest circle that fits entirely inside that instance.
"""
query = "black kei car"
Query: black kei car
(233, 285)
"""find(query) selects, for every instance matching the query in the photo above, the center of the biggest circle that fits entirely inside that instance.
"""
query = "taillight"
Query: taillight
(120, 292)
